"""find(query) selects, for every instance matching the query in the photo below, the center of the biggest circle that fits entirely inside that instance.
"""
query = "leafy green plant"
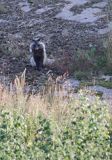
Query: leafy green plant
(84, 135)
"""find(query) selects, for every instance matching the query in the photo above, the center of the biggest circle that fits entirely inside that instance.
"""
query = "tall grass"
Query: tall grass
(52, 125)
(47, 101)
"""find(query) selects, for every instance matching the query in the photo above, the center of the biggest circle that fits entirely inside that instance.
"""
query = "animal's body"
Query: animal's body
(38, 51)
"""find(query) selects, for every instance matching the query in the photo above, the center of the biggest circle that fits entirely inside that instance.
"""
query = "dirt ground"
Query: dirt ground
(63, 25)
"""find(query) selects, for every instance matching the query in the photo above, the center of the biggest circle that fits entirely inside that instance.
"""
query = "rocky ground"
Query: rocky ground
(64, 25)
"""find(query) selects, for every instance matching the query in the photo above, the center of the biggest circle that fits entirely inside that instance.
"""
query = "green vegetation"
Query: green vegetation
(85, 62)
(108, 70)
(107, 84)
(48, 127)
(3, 9)
(82, 75)
(87, 83)
(52, 125)
(85, 136)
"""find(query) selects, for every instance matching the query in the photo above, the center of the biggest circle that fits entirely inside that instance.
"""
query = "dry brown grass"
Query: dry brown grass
(55, 102)
(51, 102)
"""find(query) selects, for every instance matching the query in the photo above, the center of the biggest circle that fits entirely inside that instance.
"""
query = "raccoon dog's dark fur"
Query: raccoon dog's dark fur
(37, 48)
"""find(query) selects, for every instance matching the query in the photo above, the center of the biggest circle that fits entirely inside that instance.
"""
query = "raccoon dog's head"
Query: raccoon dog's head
(37, 45)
